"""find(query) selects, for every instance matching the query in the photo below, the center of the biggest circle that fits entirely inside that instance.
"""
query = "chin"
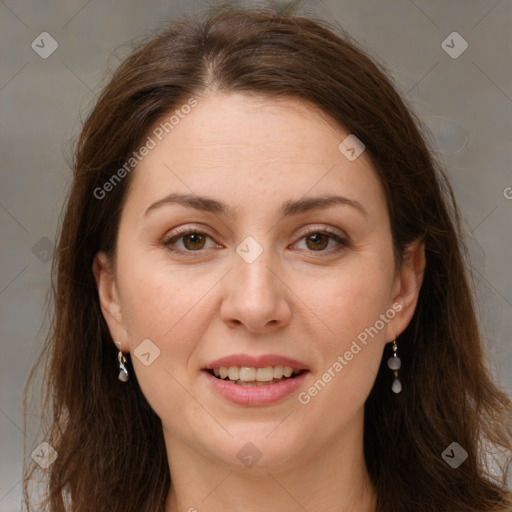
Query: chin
(257, 446)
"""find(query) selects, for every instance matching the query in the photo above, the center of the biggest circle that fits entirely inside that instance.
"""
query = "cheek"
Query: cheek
(157, 299)
(172, 308)
(167, 306)
(352, 301)
(351, 306)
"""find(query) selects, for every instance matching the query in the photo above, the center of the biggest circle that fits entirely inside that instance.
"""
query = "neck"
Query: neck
(332, 479)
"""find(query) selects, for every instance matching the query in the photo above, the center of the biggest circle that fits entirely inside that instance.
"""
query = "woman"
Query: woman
(261, 299)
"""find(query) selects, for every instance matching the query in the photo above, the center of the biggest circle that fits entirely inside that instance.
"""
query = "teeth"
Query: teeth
(234, 373)
(264, 374)
(287, 371)
(244, 374)
(278, 372)
(248, 374)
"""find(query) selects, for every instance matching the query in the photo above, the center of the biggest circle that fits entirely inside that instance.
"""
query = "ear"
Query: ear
(104, 275)
(406, 288)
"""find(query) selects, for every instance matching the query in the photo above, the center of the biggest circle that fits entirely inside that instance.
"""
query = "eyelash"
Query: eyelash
(343, 243)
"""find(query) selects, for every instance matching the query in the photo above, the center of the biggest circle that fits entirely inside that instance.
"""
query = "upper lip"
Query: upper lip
(256, 361)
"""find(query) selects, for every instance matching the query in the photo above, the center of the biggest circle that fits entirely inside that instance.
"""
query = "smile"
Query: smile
(252, 376)
(253, 393)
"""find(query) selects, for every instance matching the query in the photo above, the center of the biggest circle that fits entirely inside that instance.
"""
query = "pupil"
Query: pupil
(194, 238)
(317, 239)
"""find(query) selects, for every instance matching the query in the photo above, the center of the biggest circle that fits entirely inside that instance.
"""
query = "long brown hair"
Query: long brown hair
(109, 441)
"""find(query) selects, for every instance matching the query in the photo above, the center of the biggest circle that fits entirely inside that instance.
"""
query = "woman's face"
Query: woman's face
(276, 275)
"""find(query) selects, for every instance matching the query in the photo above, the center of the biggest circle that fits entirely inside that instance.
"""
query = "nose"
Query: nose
(255, 296)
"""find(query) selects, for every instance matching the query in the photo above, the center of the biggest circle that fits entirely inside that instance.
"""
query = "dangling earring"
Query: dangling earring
(123, 372)
(394, 363)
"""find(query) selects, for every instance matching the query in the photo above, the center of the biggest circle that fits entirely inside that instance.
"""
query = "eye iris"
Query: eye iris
(195, 238)
(319, 240)
(315, 241)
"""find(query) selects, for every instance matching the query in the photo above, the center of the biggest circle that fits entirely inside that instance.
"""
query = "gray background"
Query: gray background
(466, 103)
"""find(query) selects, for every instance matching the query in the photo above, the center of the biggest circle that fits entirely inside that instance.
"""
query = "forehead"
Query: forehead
(257, 128)
(238, 145)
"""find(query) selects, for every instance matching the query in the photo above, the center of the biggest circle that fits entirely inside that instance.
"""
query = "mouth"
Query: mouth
(249, 376)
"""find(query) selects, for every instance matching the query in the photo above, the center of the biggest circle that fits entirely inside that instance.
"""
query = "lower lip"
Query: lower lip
(255, 395)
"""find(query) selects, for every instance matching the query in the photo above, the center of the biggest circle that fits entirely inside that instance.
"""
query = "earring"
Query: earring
(394, 363)
(123, 372)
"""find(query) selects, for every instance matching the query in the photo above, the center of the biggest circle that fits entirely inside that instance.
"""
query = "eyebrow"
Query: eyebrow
(288, 208)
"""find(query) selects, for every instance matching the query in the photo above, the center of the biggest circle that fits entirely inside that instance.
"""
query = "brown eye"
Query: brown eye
(195, 241)
(319, 241)
(188, 241)
(325, 242)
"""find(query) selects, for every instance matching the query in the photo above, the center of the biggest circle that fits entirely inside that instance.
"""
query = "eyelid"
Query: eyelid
(322, 228)
(182, 231)
(334, 233)
(342, 240)
(310, 229)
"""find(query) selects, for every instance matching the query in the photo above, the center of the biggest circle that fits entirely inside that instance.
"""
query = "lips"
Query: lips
(245, 360)
(261, 394)
(255, 380)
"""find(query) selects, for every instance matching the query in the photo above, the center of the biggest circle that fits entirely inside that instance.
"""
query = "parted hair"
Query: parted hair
(111, 452)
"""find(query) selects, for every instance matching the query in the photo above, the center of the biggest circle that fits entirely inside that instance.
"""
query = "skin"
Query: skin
(296, 299)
